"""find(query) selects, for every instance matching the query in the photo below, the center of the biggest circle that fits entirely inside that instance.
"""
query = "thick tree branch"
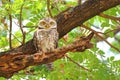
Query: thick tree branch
(80, 14)
(11, 63)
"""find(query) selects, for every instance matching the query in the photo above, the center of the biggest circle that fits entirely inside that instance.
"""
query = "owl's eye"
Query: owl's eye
(52, 23)
(42, 23)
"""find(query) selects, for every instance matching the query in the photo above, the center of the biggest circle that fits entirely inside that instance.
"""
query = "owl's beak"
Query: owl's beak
(47, 26)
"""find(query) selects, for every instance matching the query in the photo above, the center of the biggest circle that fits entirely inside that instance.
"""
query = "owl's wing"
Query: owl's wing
(35, 41)
(56, 37)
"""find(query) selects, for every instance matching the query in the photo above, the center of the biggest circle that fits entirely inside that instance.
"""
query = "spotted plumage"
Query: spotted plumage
(46, 36)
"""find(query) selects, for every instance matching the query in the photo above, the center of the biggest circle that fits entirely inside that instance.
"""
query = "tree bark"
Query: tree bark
(11, 63)
(66, 22)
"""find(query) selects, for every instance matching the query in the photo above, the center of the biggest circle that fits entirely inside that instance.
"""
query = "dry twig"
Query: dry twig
(77, 64)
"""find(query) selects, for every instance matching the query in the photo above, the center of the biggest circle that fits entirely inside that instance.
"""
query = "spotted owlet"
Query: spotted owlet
(46, 37)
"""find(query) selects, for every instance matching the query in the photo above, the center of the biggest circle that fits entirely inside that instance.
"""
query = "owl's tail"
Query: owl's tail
(50, 66)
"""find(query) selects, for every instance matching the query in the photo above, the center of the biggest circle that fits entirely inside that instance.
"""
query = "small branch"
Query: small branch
(114, 30)
(110, 31)
(77, 64)
(10, 36)
(101, 37)
(20, 24)
(48, 8)
(10, 41)
(109, 17)
(15, 37)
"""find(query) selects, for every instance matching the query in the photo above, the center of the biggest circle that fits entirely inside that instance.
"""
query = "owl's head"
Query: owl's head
(47, 23)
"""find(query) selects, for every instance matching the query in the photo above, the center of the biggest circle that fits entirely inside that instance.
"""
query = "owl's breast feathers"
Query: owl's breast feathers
(46, 40)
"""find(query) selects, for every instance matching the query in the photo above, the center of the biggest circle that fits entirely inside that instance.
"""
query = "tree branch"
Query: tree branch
(10, 41)
(20, 24)
(15, 37)
(109, 17)
(82, 13)
(77, 64)
(11, 63)
(48, 8)
(10, 33)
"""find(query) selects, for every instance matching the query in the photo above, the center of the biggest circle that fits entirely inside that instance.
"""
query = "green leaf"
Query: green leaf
(1, 78)
(112, 58)
(112, 34)
(101, 52)
(105, 25)
(29, 24)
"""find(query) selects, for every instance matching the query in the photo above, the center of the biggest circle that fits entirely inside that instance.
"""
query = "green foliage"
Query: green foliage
(102, 67)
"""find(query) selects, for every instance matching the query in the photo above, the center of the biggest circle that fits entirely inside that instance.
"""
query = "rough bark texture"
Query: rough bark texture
(11, 63)
(23, 56)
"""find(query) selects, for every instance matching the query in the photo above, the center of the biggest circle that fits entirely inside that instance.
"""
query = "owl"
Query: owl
(46, 36)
